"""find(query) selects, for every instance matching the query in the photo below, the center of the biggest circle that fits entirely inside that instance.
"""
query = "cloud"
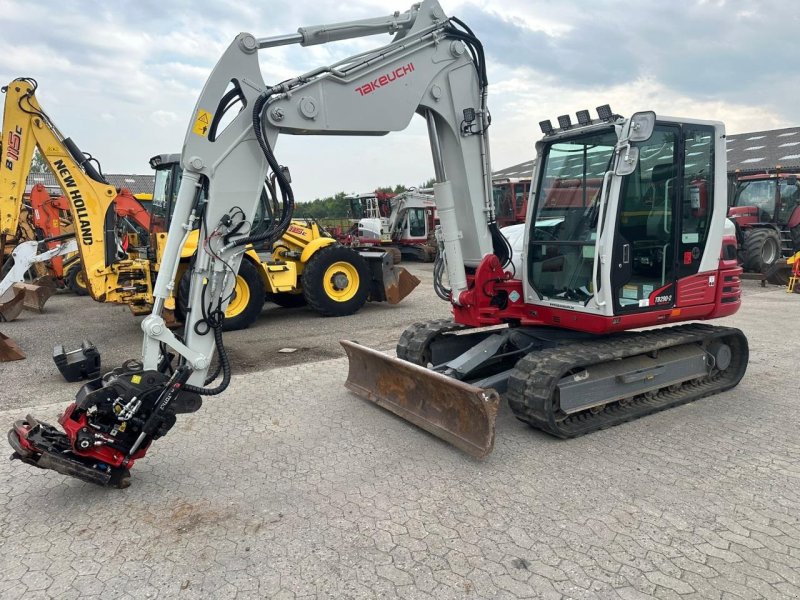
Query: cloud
(122, 78)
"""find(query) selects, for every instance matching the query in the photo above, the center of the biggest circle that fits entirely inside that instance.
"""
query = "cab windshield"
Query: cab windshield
(561, 249)
(162, 200)
(759, 193)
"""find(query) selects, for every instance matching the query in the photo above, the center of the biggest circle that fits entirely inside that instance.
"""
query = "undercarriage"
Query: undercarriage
(562, 382)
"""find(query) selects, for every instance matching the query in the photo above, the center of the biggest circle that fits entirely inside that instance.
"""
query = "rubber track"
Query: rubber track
(414, 344)
(532, 390)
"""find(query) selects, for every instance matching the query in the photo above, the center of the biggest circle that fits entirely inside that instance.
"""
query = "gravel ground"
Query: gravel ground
(288, 486)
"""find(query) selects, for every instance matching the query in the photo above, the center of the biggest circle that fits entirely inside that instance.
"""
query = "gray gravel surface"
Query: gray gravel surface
(69, 319)
(288, 486)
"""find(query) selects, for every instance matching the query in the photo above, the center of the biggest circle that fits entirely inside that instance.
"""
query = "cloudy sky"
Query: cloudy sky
(121, 77)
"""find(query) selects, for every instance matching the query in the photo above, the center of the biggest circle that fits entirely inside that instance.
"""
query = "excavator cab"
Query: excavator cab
(623, 243)
(624, 230)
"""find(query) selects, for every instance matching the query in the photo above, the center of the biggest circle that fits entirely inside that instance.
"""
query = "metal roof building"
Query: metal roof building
(520, 171)
(747, 152)
(137, 184)
(764, 150)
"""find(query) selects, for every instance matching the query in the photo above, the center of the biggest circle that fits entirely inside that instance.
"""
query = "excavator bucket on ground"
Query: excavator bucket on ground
(9, 350)
(11, 304)
(398, 284)
(460, 414)
(37, 294)
(390, 283)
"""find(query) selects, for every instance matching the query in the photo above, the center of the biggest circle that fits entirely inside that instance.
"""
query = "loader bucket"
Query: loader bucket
(36, 294)
(460, 414)
(11, 304)
(390, 283)
(398, 283)
(9, 350)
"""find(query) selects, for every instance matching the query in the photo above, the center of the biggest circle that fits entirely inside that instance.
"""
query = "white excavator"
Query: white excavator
(625, 229)
(403, 223)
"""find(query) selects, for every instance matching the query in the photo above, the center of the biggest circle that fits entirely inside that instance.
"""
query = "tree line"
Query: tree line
(338, 206)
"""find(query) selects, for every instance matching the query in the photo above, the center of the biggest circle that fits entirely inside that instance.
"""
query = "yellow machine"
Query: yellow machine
(110, 270)
(305, 266)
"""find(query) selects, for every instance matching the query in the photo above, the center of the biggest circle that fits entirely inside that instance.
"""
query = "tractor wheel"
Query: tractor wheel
(76, 280)
(336, 281)
(245, 305)
(762, 247)
(779, 273)
(287, 299)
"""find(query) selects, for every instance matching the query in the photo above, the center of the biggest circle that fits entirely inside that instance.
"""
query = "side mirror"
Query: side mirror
(627, 159)
(640, 126)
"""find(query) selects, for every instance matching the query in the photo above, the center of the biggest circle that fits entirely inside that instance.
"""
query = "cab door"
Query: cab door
(663, 218)
(643, 258)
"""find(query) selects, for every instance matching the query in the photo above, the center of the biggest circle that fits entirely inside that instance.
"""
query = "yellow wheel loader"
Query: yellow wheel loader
(119, 265)
(306, 266)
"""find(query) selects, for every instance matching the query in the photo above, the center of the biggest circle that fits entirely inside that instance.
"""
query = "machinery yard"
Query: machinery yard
(573, 378)
(289, 486)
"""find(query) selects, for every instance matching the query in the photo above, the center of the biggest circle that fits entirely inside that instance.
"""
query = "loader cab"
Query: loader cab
(165, 193)
(619, 224)
(165, 190)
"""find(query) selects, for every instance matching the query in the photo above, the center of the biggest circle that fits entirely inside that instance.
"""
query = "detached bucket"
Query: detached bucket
(11, 304)
(38, 293)
(460, 414)
(389, 283)
(9, 350)
(81, 363)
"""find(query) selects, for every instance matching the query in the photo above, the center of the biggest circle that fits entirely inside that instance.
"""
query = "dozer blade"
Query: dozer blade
(9, 350)
(36, 294)
(461, 414)
(11, 304)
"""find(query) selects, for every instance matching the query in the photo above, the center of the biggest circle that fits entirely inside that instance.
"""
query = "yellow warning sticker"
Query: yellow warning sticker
(202, 122)
(136, 379)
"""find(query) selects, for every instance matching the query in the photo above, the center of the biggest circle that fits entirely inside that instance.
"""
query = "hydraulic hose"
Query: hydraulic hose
(279, 228)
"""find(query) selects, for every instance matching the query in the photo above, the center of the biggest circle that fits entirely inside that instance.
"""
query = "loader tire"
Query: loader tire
(779, 273)
(336, 281)
(246, 304)
(76, 280)
(762, 247)
(287, 299)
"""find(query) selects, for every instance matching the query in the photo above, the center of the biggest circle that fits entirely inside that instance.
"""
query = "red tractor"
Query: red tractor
(766, 211)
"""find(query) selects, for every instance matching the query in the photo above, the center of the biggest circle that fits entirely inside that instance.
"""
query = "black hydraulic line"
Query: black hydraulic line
(84, 161)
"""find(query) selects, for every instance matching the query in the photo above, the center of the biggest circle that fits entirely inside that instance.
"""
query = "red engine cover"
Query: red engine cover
(743, 215)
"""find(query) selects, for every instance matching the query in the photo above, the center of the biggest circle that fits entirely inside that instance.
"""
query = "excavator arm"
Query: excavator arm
(427, 69)
(432, 67)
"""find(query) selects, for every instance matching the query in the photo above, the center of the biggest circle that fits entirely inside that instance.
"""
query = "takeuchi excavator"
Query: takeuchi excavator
(640, 241)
